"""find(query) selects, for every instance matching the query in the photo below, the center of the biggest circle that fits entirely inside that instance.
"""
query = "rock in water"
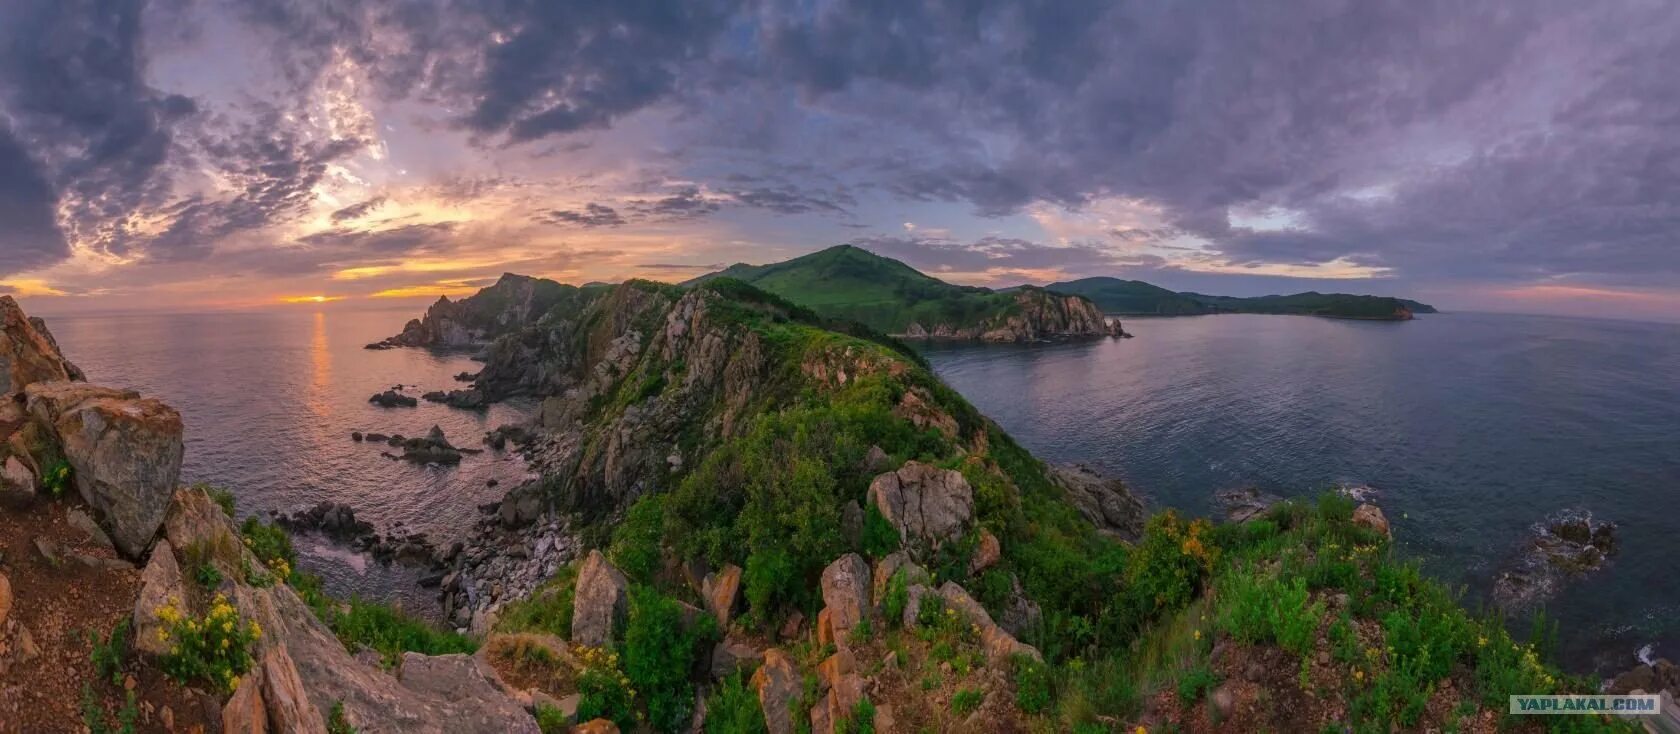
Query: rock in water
(600, 601)
(928, 505)
(1242, 505)
(1563, 547)
(124, 454)
(393, 399)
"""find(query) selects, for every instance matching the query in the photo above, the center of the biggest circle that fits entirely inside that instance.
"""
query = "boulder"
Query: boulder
(1371, 516)
(283, 695)
(196, 521)
(79, 519)
(1107, 503)
(722, 593)
(393, 399)
(997, 643)
(600, 601)
(889, 566)
(778, 684)
(478, 696)
(5, 599)
(927, 505)
(986, 554)
(733, 654)
(17, 483)
(161, 585)
(27, 356)
(846, 593)
(1641, 678)
(245, 712)
(124, 454)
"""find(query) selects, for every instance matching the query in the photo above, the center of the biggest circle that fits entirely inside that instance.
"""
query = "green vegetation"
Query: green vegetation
(393, 632)
(547, 609)
(56, 478)
(861, 720)
(108, 654)
(660, 648)
(551, 720)
(1135, 297)
(98, 721)
(733, 708)
(846, 282)
(336, 723)
(214, 650)
(603, 688)
(967, 701)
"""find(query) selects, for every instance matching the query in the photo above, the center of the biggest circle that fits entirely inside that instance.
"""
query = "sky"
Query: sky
(175, 154)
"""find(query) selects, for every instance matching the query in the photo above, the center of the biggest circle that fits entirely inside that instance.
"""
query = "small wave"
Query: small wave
(1358, 492)
(1647, 653)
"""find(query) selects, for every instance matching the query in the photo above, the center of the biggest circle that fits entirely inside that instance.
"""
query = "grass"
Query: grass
(392, 632)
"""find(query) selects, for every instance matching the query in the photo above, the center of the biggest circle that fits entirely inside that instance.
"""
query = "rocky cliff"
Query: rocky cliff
(1036, 315)
(512, 302)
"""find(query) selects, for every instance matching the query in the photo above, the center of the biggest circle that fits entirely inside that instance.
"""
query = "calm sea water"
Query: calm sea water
(269, 401)
(1472, 427)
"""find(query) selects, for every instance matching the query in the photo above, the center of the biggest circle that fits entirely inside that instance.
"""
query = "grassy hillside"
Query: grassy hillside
(850, 283)
(1134, 297)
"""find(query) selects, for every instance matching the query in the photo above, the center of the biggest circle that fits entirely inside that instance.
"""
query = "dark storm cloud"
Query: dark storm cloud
(686, 203)
(29, 237)
(357, 210)
(592, 215)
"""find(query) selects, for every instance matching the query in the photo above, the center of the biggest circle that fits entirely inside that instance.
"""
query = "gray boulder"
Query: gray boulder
(1107, 503)
(27, 355)
(846, 593)
(928, 505)
(600, 602)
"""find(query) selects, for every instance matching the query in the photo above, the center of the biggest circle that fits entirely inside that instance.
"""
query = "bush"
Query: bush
(107, 654)
(966, 701)
(271, 545)
(635, 545)
(56, 478)
(1195, 683)
(879, 537)
(552, 720)
(1032, 684)
(547, 609)
(770, 579)
(337, 724)
(215, 650)
(1259, 608)
(659, 652)
(221, 497)
(896, 599)
(861, 721)
(393, 632)
(733, 708)
(603, 689)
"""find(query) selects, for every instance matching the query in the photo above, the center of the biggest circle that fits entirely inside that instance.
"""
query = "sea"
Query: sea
(1466, 428)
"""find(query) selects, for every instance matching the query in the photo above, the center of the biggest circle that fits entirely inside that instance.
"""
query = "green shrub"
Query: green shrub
(733, 708)
(879, 537)
(1258, 608)
(214, 650)
(552, 720)
(966, 701)
(546, 609)
(635, 545)
(770, 579)
(223, 498)
(272, 545)
(337, 724)
(659, 652)
(896, 599)
(207, 576)
(97, 721)
(1032, 684)
(861, 720)
(1195, 683)
(603, 689)
(56, 478)
(108, 653)
(393, 632)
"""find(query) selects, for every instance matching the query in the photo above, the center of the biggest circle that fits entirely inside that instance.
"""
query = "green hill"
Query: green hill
(846, 282)
(1135, 297)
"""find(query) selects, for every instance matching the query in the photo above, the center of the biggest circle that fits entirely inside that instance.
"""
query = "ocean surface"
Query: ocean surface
(269, 400)
(1469, 427)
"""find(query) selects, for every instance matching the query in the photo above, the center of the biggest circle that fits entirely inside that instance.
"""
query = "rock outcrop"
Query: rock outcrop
(929, 506)
(124, 453)
(512, 302)
(846, 594)
(1107, 503)
(1566, 546)
(600, 603)
(1037, 315)
(28, 353)
(778, 685)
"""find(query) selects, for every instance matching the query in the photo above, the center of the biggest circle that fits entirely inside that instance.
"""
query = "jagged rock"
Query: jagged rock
(600, 601)
(998, 644)
(288, 705)
(1247, 503)
(513, 301)
(846, 593)
(887, 567)
(596, 726)
(27, 355)
(1371, 516)
(124, 454)
(1641, 678)
(521, 506)
(1039, 315)
(393, 399)
(875, 461)
(479, 696)
(778, 684)
(335, 519)
(928, 505)
(245, 712)
(5, 599)
(986, 554)
(17, 483)
(721, 591)
(733, 654)
(77, 518)
(1107, 503)
(196, 521)
(914, 595)
(1565, 546)
(160, 585)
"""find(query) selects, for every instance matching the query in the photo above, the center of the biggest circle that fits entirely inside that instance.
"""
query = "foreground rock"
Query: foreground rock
(601, 601)
(28, 353)
(124, 453)
(1566, 546)
(1107, 503)
(778, 685)
(846, 594)
(929, 506)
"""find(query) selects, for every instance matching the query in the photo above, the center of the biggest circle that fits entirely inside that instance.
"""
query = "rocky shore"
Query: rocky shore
(1039, 315)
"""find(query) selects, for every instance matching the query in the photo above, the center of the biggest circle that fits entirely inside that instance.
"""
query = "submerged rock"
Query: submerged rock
(393, 399)
(1565, 546)
(1242, 505)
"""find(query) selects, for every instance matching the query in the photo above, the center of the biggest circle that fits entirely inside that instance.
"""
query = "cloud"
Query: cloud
(357, 210)
(592, 215)
(30, 237)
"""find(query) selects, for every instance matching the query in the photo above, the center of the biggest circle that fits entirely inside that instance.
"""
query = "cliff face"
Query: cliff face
(512, 302)
(1036, 315)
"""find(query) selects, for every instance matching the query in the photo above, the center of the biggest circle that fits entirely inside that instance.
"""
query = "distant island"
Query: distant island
(1137, 298)
(853, 284)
